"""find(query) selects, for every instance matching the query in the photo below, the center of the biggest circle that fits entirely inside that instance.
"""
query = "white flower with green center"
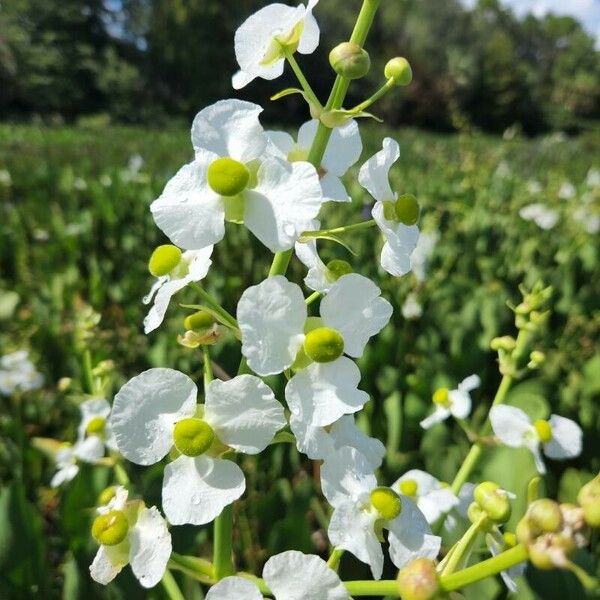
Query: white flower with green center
(432, 497)
(156, 413)
(89, 450)
(262, 40)
(544, 217)
(395, 216)
(452, 402)
(343, 150)
(290, 575)
(559, 438)
(130, 533)
(94, 422)
(362, 510)
(229, 180)
(174, 270)
(276, 333)
(17, 372)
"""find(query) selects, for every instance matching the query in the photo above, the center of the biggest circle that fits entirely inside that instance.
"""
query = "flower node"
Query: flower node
(228, 177)
(324, 344)
(111, 528)
(386, 502)
(193, 437)
(164, 259)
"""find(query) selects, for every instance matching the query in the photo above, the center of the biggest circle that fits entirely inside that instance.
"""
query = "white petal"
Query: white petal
(460, 403)
(103, 569)
(566, 439)
(91, 450)
(353, 529)
(374, 174)
(288, 196)
(234, 588)
(117, 502)
(157, 313)
(355, 308)
(347, 474)
(510, 424)
(271, 316)
(315, 442)
(343, 150)
(90, 409)
(333, 189)
(469, 383)
(326, 391)
(188, 212)
(230, 128)
(145, 411)
(63, 475)
(534, 448)
(293, 575)
(440, 414)
(150, 548)
(309, 39)
(243, 413)
(410, 535)
(196, 490)
(316, 278)
(436, 503)
(345, 433)
(198, 262)
(242, 79)
(279, 144)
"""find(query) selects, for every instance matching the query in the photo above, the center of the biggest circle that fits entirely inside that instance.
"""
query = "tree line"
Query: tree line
(150, 61)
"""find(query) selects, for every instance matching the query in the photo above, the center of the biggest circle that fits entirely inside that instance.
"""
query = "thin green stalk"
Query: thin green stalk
(382, 91)
(301, 78)
(197, 568)
(223, 541)
(312, 298)
(339, 230)
(207, 367)
(87, 374)
(464, 545)
(280, 263)
(213, 303)
(373, 588)
(171, 587)
(334, 558)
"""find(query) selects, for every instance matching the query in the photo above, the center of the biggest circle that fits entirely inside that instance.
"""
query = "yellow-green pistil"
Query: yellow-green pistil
(409, 487)
(543, 430)
(324, 344)
(441, 396)
(199, 321)
(164, 259)
(111, 528)
(96, 426)
(404, 210)
(193, 437)
(386, 502)
(228, 177)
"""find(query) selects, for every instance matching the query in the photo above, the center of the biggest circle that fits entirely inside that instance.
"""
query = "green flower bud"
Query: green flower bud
(589, 499)
(386, 502)
(193, 437)
(111, 528)
(106, 495)
(409, 487)
(399, 70)
(228, 177)
(506, 343)
(96, 426)
(493, 501)
(475, 512)
(337, 268)
(510, 539)
(199, 321)
(418, 580)
(537, 357)
(441, 396)
(164, 259)
(324, 344)
(407, 209)
(544, 515)
(350, 60)
(543, 430)
(524, 532)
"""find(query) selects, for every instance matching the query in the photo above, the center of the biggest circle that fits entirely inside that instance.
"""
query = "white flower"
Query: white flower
(541, 215)
(94, 422)
(350, 486)
(412, 309)
(420, 256)
(343, 150)
(534, 187)
(5, 178)
(589, 220)
(567, 191)
(290, 575)
(89, 450)
(452, 402)
(146, 547)
(460, 511)
(560, 438)
(157, 410)
(401, 239)
(432, 497)
(275, 199)
(194, 266)
(593, 178)
(260, 39)
(17, 372)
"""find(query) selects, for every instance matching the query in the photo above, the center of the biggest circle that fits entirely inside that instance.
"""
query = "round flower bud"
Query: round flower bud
(475, 512)
(96, 426)
(418, 580)
(493, 501)
(506, 343)
(589, 499)
(441, 396)
(193, 437)
(164, 259)
(543, 430)
(111, 528)
(350, 60)
(106, 495)
(227, 177)
(386, 502)
(324, 344)
(524, 532)
(537, 357)
(544, 515)
(408, 487)
(199, 321)
(510, 539)
(399, 70)
(407, 209)
(336, 268)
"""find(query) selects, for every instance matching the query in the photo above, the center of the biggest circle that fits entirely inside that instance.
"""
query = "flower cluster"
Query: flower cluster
(17, 373)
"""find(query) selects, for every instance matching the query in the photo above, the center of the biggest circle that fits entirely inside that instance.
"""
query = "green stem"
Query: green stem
(207, 370)
(338, 230)
(302, 79)
(212, 303)
(87, 374)
(587, 581)
(171, 587)
(373, 588)
(222, 551)
(382, 91)
(334, 559)
(464, 545)
(312, 298)
(121, 474)
(195, 567)
(280, 263)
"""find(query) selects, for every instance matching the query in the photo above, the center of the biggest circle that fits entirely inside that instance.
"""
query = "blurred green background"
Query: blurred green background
(96, 100)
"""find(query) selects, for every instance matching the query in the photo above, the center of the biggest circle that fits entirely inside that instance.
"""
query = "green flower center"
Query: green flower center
(96, 426)
(199, 321)
(404, 210)
(386, 502)
(193, 437)
(164, 259)
(336, 268)
(543, 430)
(111, 528)
(441, 396)
(409, 487)
(324, 344)
(228, 177)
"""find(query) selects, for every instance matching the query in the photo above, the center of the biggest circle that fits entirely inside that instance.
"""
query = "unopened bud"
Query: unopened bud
(193, 437)
(524, 532)
(589, 499)
(386, 502)
(493, 501)
(111, 528)
(227, 177)
(337, 268)
(324, 344)
(544, 515)
(164, 259)
(506, 343)
(399, 70)
(418, 580)
(537, 357)
(350, 60)
(199, 321)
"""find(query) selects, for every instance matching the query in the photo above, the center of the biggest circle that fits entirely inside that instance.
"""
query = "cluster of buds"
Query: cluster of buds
(492, 502)
(551, 532)
(528, 313)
